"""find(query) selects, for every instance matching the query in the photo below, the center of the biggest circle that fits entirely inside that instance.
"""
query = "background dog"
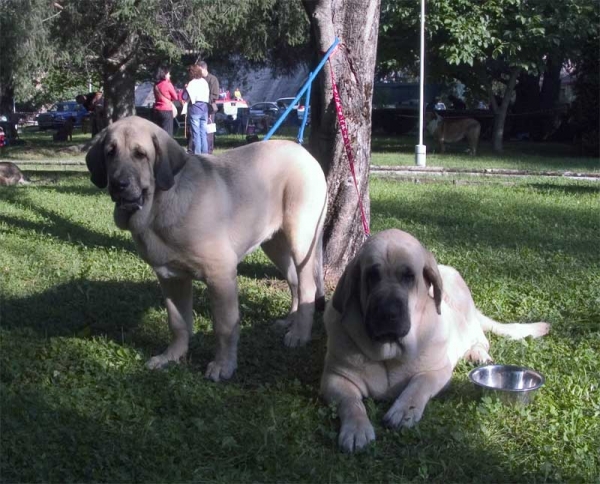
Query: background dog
(65, 132)
(450, 130)
(396, 327)
(197, 217)
(11, 175)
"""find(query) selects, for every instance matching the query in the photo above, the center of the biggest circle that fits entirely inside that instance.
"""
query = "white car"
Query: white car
(265, 108)
(230, 106)
(284, 102)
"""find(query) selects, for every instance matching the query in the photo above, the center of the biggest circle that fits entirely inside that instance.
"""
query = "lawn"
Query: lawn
(386, 151)
(80, 313)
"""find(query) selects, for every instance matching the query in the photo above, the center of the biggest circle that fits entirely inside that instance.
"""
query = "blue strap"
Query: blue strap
(304, 88)
(305, 117)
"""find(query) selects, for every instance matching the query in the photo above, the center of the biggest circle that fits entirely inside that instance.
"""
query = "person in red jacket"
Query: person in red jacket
(164, 95)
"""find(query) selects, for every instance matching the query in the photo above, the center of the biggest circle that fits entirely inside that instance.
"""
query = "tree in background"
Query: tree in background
(25, 50)
(490, 45)
(586, 108)
(118, 38)
(356, 24)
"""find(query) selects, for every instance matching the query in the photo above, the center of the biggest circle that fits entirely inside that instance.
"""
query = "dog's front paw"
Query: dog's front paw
(355, 435)
(294, 338)
(217, 371)
(478, 354)
(402, 415)
(159, 361)
(298, 333)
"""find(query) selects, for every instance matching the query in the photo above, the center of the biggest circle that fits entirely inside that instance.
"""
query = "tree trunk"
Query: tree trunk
(356, 24)
(501, 110)
(119, 92)
(7, 99)
(119, 66)
(527, 101)
(550, 92)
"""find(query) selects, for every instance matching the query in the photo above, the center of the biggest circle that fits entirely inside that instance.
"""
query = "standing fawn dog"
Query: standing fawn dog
(196, 217)
(449, 130)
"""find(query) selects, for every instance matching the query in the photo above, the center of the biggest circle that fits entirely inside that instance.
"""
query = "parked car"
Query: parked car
(284, 102)
(230, 107)
(56, 116)
(265, 108)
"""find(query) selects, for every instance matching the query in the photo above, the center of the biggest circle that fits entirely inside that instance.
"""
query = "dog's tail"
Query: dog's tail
(514, 330)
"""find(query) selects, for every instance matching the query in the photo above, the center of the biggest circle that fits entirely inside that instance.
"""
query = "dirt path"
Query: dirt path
(412, 171)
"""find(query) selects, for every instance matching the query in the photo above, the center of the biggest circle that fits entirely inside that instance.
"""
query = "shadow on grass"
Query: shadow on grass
(83, 308)
(461, 220)
(57, 225)
(80, 419)
(567, 189)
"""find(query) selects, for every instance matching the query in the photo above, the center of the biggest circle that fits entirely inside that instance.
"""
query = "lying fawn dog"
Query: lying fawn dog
(11, 175)
(449, 130)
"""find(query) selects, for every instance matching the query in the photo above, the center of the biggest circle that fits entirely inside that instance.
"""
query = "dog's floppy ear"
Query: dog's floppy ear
(95, 160)
(432, 276)
(170, 158)
(348, 287)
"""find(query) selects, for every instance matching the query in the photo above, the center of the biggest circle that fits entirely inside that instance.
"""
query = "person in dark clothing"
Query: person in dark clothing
(457, 103)
(213, 86)
(93, 103)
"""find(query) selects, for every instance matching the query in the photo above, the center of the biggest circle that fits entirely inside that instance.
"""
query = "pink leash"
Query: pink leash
(349, 154)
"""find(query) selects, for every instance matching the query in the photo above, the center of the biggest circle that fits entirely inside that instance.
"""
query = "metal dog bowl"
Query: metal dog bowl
(508, 383)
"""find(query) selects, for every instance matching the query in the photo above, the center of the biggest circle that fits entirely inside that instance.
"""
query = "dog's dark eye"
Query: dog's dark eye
(112, 149)
(139, 154)
(372, 276)
(407, 277)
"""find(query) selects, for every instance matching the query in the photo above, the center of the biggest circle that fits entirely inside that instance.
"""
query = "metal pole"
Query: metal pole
(421, 149)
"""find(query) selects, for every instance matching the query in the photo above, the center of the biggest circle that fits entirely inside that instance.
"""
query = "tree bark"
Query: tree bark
(501, 110)
(119, 65)
(119, 93)
(356, 24)
(7, 99)
(550, 91)
(527, 101)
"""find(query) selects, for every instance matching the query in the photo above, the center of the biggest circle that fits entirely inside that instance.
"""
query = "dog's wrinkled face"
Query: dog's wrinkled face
(389, 279)
(128, 157)
(385, 300)
(134, 157)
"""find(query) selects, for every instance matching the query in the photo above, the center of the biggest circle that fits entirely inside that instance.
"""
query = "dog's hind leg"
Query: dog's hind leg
(513, 330)
(278, 250)
(304, 255)
(474, 139)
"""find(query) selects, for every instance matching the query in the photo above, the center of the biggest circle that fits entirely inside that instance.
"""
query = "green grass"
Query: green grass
(530, 156)
(387, 151)
(80, 313)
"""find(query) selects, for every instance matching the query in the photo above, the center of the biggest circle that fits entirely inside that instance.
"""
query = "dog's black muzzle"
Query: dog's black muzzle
(387, 319)
(127, 195)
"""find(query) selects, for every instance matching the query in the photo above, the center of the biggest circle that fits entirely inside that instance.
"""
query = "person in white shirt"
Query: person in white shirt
(197, 94)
